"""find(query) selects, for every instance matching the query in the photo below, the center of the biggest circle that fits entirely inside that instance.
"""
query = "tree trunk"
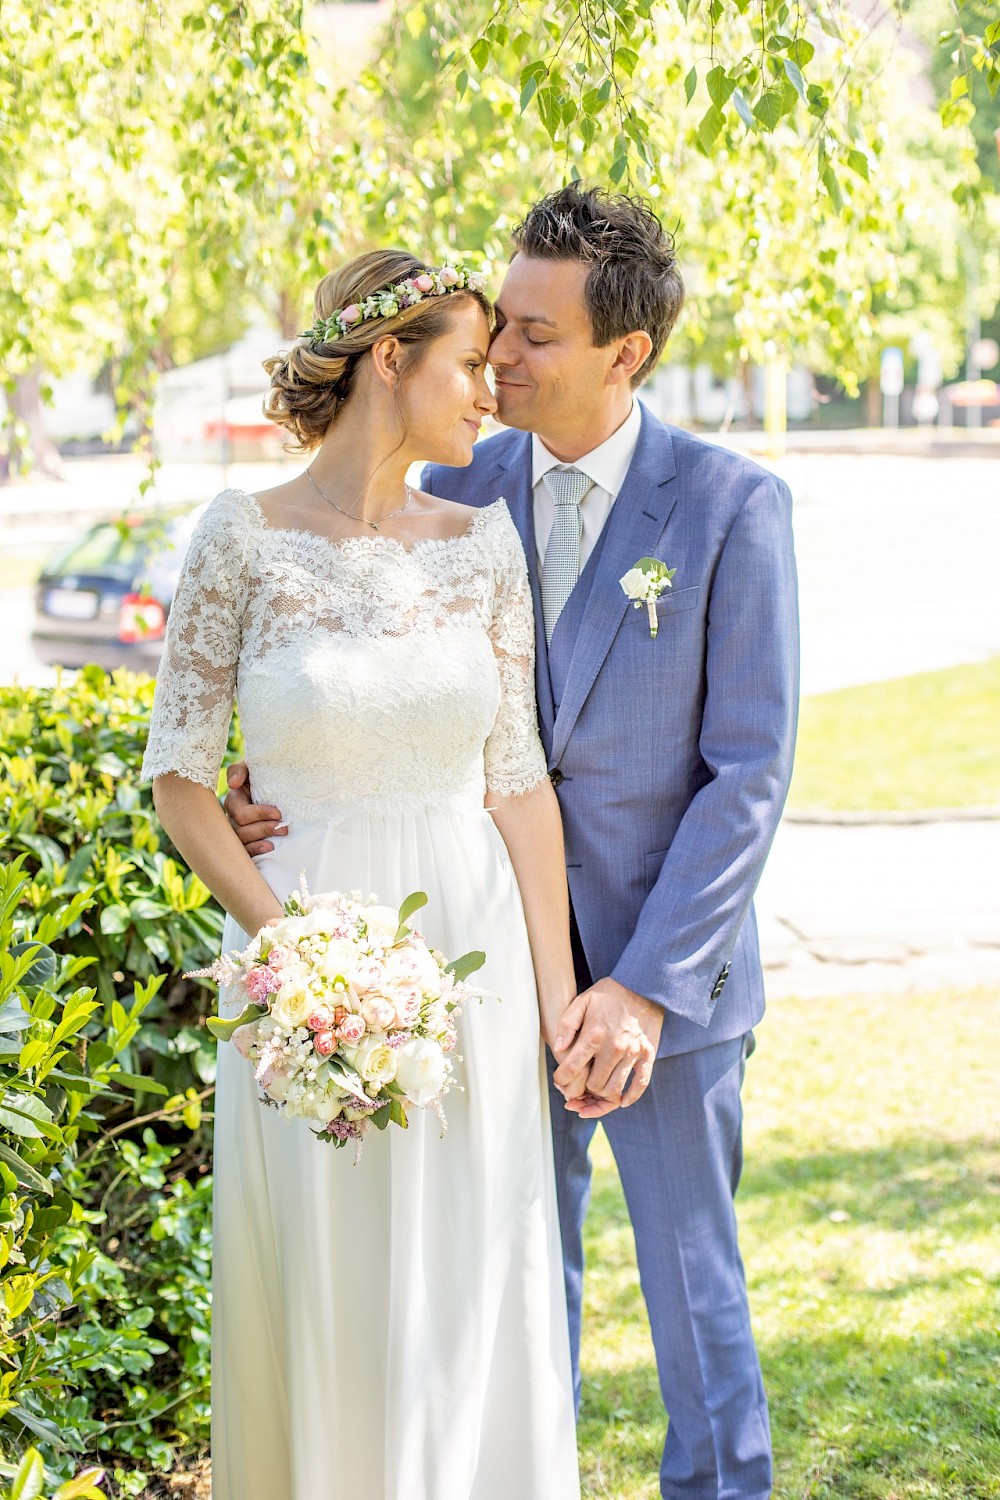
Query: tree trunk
(30, 446)
(289, 315)
(873, 402)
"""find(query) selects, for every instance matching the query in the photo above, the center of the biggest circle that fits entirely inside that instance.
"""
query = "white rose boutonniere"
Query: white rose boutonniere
(644, 583)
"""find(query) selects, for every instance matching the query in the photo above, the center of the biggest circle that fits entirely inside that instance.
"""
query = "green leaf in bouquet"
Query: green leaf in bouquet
(462, 967)
(410, 905)
(397, 1114)
(224, 1029)
(382, 1117)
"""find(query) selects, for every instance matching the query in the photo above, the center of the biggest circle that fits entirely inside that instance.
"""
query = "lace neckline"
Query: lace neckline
(377, 541)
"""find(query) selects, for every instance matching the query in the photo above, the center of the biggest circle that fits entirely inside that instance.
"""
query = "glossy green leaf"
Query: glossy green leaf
(462, 967)
(224, 1029)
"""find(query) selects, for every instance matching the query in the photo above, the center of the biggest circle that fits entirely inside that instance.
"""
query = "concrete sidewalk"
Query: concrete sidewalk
(885, 908)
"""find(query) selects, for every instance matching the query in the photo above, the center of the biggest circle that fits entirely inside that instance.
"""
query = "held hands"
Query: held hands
(600, 1039)
(605, 1035)
(254, 826)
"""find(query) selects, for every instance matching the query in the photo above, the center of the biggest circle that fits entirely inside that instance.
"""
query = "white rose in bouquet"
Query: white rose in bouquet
(338, 960)
(383, 924)
(420, 1070)
(374, 1061)
(293, 1005)
(328, 1106)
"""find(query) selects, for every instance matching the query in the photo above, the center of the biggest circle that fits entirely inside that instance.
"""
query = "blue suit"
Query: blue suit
(671, 759)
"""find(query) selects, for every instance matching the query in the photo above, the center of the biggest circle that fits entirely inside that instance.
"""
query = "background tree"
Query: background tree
(194, 163)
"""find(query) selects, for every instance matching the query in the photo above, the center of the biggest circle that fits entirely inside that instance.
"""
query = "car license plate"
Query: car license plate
(71, 604)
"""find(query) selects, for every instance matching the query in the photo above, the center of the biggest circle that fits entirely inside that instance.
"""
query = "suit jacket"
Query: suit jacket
(671, 757)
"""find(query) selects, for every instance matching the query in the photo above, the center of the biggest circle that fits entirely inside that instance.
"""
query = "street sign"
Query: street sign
(890, 377)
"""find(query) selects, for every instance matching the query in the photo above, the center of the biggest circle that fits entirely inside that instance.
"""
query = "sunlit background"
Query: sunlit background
(166, 206)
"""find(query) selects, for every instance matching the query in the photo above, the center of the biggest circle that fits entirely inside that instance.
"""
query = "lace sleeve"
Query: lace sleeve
(196, 682)
(515, 760)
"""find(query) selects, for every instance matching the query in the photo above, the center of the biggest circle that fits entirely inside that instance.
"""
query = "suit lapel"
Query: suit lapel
(513, 480)
(633, 529)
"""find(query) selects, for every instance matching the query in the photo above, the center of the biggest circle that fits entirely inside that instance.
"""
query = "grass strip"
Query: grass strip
(924, 741)
(869, 1210)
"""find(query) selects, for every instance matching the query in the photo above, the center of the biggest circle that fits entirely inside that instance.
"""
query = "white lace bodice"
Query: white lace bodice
(366, 674)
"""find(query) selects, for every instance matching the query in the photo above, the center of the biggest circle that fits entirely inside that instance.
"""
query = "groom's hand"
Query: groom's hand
(254, 826)
(618, 1033)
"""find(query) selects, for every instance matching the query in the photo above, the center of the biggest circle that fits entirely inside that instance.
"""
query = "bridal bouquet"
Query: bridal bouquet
(350, 1017)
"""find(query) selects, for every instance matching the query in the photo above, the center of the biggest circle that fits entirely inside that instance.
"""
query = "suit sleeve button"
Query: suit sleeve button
(556, 776)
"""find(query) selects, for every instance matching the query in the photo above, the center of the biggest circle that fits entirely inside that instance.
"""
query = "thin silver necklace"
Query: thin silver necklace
(362, 520)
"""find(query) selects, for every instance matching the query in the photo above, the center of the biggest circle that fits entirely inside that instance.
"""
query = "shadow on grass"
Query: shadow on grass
(855, 1415)
(897, 1186)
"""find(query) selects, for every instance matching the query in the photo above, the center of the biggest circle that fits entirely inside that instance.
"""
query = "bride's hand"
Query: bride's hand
(551, 1012)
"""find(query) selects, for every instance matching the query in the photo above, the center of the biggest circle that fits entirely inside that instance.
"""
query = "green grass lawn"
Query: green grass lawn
(927, 741)
(870, 1221)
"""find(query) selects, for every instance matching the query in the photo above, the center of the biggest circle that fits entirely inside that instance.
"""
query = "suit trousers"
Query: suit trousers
(679, 1156)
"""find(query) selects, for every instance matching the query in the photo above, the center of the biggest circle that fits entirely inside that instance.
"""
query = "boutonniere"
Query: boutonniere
(644, 583)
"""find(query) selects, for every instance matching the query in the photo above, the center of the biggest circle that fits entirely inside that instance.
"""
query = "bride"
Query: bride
(397, 1329)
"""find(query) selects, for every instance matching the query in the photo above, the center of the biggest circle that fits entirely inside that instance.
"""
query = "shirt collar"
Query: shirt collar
(605, 465)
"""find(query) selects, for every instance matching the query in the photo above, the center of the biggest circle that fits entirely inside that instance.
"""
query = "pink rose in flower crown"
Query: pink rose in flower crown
(351, 1029)
(449, 276)
(378, 1013)
(424, 282)
(350, 314)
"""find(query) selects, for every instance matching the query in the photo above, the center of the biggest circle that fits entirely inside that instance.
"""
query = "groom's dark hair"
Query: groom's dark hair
(634, 282)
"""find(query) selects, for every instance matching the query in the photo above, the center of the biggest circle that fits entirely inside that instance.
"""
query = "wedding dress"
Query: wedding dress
(397, 1329)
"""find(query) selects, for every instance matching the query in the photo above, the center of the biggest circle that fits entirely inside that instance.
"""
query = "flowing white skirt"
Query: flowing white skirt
(397, 1329)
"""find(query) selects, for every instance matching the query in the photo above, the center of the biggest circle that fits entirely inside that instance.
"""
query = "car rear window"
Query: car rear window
(104, 547)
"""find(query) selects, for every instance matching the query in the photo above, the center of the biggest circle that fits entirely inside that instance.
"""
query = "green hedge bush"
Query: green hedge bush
(72, 803)
(105, 1185)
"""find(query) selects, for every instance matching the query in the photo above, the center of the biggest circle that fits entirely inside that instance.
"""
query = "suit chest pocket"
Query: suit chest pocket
(676, 601)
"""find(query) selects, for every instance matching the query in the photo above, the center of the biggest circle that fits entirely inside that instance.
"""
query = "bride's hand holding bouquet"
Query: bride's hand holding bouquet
(349, 1017)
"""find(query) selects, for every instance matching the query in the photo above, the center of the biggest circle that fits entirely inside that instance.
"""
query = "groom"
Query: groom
(671, 755)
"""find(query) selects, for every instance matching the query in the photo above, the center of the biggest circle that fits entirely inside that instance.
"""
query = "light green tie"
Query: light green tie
(561, 565)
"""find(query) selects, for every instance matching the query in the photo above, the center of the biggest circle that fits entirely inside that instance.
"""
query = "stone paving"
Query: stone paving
(887, 908)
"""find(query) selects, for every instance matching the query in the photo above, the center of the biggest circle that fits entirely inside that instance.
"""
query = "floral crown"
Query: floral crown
(393, 300)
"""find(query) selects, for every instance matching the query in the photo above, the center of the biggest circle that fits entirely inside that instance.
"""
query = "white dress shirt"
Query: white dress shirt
(606, 466)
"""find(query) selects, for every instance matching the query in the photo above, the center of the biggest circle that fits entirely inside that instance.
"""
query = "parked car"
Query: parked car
(106, 597)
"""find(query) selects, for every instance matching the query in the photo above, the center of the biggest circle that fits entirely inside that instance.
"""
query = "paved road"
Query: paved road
(897, 558)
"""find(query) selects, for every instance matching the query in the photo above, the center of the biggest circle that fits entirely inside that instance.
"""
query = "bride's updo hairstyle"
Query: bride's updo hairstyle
(313, 380)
